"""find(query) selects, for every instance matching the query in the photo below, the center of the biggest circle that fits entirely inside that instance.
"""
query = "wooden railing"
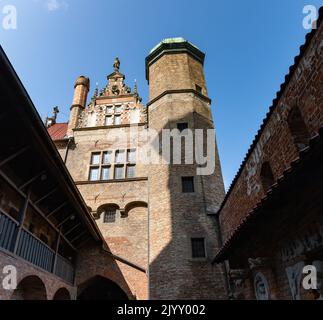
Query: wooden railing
(8, 229)
(64, 269)
(32, 249)
(35, 251)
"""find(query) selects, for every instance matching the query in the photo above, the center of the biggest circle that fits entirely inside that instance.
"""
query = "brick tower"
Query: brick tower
(158, 219)
(182, 202)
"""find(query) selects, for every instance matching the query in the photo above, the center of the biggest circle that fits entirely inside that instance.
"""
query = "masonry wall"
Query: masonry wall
(276, 143)
(176, 217)
(24, 270)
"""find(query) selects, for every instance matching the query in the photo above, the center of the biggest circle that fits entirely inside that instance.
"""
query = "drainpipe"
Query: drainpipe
(67, 148)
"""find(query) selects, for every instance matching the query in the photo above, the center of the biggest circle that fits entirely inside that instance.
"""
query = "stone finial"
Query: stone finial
(135, 89)
(116, 64)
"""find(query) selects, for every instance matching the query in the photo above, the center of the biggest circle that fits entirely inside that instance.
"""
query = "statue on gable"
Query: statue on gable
(116, 64)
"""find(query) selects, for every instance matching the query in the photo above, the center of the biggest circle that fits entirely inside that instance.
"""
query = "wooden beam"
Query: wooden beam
(16, 154)
(65, 220)
(57, 209)
(22, 216)
(56, 250)
(78, 236)
(32, 180)
(75, 227)
(46, 196)
(40, 212)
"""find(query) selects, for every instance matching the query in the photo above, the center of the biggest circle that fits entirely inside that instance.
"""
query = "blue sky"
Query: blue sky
(249, 47)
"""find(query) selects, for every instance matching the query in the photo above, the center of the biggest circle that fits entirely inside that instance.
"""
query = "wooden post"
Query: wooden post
(22, 216)
(56, 250)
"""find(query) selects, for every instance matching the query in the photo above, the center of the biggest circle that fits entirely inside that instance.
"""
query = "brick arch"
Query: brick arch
(266, 176)
(101, 288)
(103, 207)
(135, 204)
(30, 287)
(298, 128)
(62, 294)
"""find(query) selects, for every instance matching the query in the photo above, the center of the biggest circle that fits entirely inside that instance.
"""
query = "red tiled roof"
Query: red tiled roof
(58, 131)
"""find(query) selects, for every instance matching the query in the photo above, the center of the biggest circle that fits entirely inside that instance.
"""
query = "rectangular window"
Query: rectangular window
(117, 120)
(198, 88)
(109, 216)
(198, 248)
(109, 109)
(95, 158)
(182, 126)
(106, 159)
(131, 158)
(118, 109)
(119, 172)
(131, 171)
(187, 184)
(108, 121)
(94, 174)
(105, 173)
(120, 156)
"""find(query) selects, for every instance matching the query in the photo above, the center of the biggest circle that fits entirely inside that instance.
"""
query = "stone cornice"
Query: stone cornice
(203, 97)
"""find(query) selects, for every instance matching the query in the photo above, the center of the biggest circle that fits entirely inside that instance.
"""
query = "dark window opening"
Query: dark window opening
(198, 88)
(266, 176)
(298, 128)
(188, 184)
(198, 248)
(109, 216)
(182, 126)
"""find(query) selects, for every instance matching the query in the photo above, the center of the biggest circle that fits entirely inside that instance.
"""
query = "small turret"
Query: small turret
(81, 90)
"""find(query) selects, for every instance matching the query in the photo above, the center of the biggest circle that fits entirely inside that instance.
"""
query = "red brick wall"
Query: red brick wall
(24, 269)
(276, 143)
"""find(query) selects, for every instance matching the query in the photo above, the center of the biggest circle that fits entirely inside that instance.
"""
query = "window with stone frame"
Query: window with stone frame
(100, 166)
(104, 166)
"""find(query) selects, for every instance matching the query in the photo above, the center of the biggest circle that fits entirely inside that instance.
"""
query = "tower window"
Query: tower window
(298, 128)
(95, 159)
(182, 126)
(117, 120)
(105, 173)
(187, 184)
(198, 88)
(110, 109)
(131, 156)
(94, 174)
(106, 157)
(118, 109)
(109, 216)
(108, 121)
(119, 172)
(266, 176)
(131, 171)
(103, 167)
(120, 156)
(198, 248)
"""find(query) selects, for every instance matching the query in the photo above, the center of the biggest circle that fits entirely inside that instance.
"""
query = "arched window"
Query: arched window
(298, 128)
(266, 176)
